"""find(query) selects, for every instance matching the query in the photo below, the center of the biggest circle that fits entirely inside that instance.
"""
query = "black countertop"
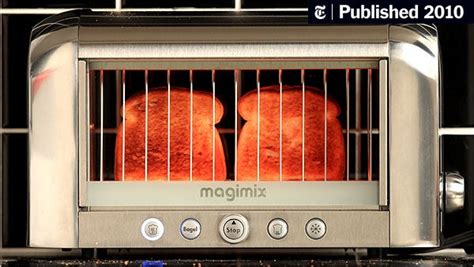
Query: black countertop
(438, 261)
(443, 258)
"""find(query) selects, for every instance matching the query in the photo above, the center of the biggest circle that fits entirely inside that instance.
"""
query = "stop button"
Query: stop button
(234, 228)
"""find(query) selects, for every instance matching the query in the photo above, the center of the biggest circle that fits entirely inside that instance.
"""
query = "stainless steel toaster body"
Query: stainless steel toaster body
(69, 209)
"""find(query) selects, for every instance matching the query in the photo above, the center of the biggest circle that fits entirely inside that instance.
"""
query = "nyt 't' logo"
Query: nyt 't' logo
(320, 12)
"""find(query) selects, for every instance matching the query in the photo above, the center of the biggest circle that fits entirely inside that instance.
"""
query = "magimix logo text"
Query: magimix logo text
(231, 193)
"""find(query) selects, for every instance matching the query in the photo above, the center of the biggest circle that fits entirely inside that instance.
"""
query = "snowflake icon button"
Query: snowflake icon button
(315, 228)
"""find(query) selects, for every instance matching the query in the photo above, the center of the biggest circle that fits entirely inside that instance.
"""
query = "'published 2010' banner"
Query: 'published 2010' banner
(385, 11)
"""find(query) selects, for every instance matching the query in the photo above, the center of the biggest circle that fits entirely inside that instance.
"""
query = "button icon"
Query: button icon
(316, 228)
(190, 229)
(152, 229)
(234, 228)
(277, 228)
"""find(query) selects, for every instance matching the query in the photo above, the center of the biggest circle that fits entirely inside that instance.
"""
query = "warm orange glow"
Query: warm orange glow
(39, 79)
(292, 136)
(203, 128)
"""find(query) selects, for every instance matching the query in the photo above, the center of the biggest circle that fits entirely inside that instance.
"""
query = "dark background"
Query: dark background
(457, 45)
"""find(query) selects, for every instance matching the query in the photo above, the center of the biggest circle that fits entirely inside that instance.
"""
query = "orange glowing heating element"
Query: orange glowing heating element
(291, 137)
(179, 139)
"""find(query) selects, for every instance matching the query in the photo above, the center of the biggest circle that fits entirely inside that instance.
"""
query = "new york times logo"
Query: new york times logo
(389, 11)
(231, 193)
(320, 12)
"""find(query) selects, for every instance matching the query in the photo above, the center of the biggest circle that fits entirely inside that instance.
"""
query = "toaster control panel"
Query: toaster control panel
(221, 229)
(233, 229)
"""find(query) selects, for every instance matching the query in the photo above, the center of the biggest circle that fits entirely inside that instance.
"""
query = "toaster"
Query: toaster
(242, 130)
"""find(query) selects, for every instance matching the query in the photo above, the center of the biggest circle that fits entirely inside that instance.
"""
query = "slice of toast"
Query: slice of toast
(179, 139)
(292, 139)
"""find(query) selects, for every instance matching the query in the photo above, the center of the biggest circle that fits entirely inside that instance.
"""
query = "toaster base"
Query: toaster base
(343, 229)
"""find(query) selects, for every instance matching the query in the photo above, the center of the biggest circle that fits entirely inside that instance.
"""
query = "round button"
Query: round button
(234, 228)
(277, 228)
(152, 229)
(190, 229)
(315, 228)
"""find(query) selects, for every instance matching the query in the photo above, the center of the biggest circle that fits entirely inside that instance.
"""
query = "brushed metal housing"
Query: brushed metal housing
(409, 194)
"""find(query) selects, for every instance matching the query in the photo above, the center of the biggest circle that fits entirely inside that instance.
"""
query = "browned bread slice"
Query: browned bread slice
(203, 129)
(292, 136)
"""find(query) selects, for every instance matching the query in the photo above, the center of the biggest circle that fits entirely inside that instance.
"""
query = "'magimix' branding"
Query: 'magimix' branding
(231, 193)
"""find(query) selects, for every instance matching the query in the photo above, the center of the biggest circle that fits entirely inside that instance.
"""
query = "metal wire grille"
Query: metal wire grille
(354, 90)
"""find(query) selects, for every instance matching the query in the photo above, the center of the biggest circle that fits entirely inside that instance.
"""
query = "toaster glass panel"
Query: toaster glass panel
(309, 136)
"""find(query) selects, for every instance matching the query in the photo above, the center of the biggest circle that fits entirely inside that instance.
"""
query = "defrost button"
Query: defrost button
(315, 228)
(277, 228)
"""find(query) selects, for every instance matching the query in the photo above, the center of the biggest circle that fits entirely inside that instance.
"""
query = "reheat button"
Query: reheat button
(234, 228)
(152, 229)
